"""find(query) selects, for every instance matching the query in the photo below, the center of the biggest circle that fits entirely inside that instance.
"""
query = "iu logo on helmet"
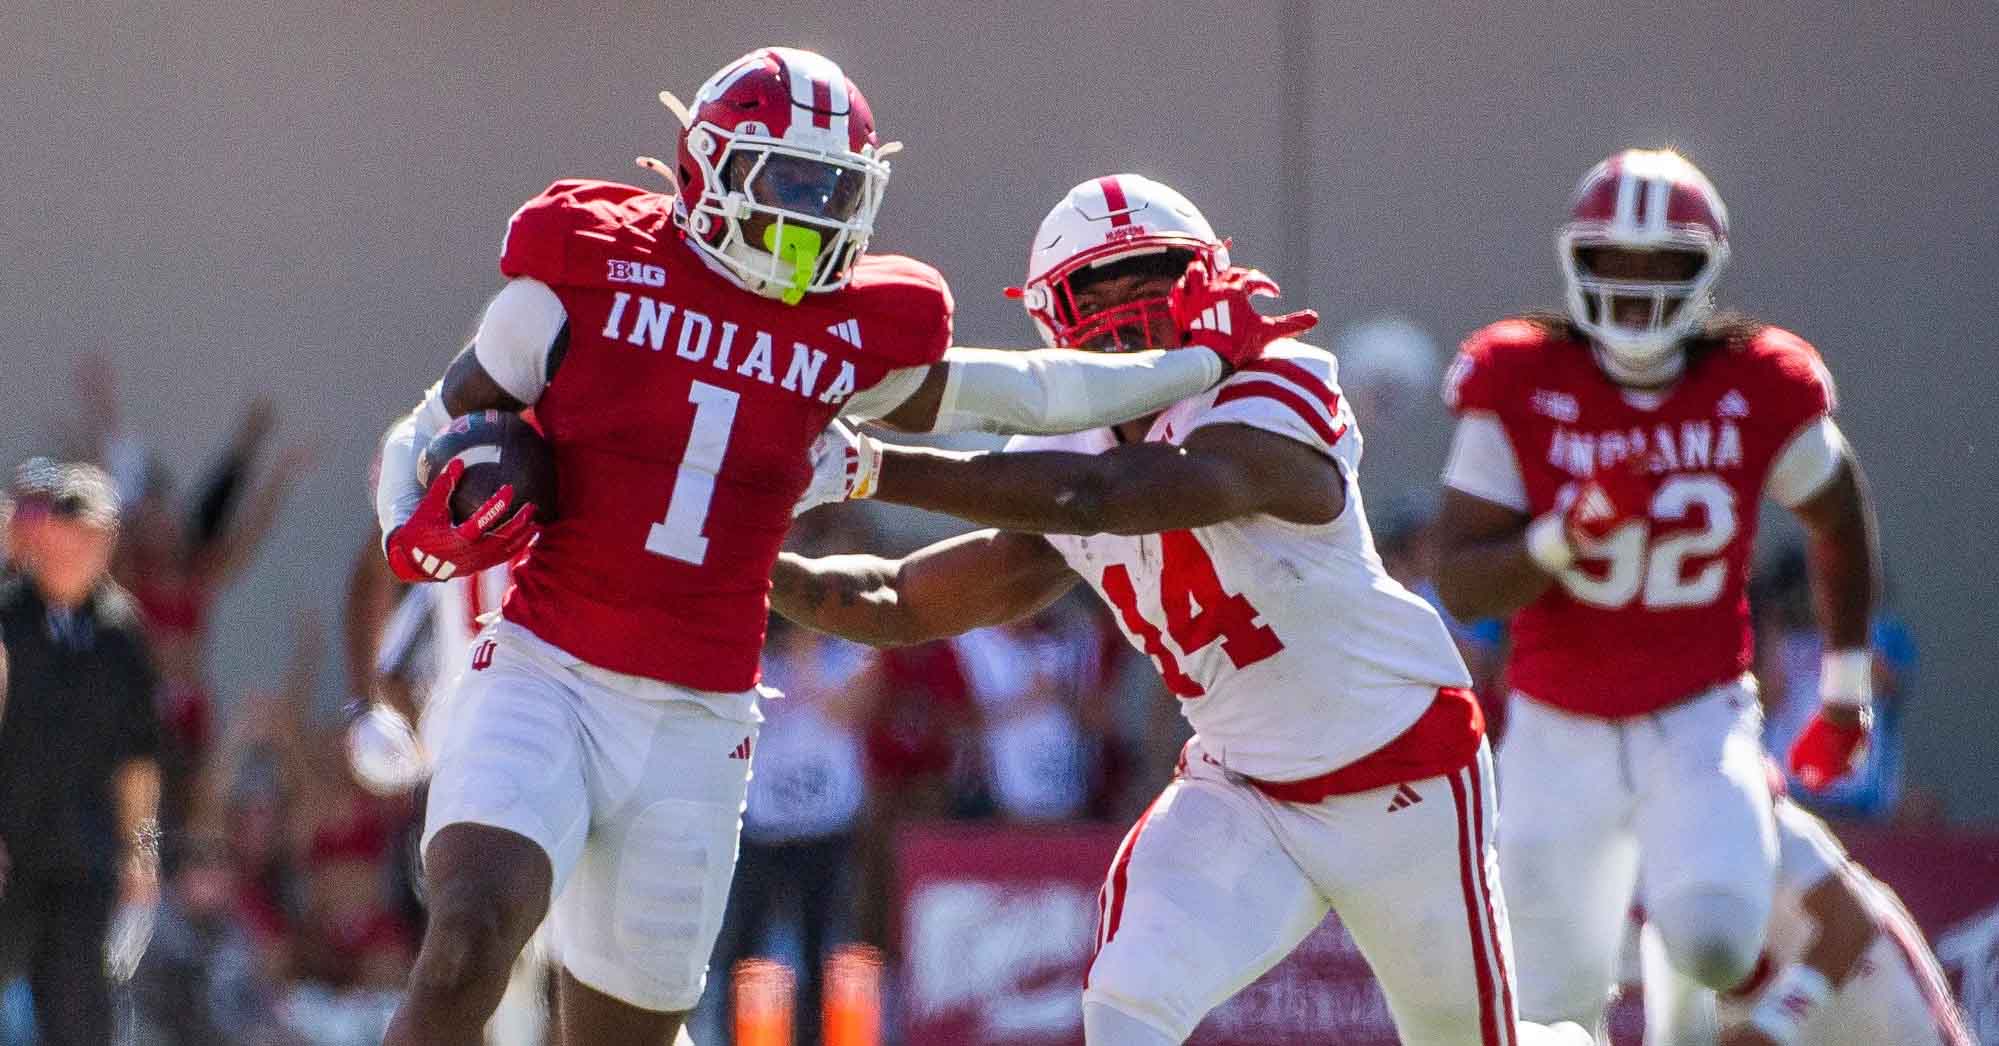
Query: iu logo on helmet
(482, 655)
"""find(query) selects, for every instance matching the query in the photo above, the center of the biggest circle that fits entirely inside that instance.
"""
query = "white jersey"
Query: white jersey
(1896, 993)
(1292, 650)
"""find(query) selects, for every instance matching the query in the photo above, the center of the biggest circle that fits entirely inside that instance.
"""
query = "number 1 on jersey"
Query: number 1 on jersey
(679, 536)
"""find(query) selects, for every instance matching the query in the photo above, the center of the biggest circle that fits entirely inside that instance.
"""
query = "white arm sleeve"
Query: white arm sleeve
(515, 334)
(396, 489)
(405, 630)
(1482, 463)
(1807, 463)
(885, 395)
(1065, 390)
(1806, 851)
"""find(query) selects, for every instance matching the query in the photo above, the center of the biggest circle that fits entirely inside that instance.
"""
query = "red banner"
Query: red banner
(997, 923)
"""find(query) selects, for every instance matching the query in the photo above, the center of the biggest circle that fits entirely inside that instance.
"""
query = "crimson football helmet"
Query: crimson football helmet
(779, 172)
(1643, 200)
(1104, 220)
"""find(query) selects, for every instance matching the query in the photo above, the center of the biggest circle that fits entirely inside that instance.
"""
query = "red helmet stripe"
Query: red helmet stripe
(1114, 199)
(822, 104)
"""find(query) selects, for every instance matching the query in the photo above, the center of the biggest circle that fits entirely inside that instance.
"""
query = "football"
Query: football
(498, 448)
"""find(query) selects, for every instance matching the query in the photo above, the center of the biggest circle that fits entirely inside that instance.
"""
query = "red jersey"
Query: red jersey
(681, 413)
(1664, 614)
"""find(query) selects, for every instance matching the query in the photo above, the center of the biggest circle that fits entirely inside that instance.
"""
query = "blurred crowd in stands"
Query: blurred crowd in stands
(287, 909)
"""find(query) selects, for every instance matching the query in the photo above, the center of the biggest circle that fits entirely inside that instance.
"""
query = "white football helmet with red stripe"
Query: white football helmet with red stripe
(1643, 200)
(1105, 220)
(780, 173)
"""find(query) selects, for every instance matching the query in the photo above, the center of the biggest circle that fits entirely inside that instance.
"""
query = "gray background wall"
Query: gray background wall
(307, 199)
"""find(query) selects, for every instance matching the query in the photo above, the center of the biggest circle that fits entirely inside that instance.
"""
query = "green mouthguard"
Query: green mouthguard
(799, 245)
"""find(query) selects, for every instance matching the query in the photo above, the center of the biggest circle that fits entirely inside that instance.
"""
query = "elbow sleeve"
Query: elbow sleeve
(1046, 391)
(397, 492)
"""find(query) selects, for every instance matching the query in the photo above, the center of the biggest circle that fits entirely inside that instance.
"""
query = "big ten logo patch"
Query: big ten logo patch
(635, 272)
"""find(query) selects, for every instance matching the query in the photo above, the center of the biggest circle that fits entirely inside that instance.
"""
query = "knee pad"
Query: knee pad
(1149, 981)
(641, 917)
(1712, 935)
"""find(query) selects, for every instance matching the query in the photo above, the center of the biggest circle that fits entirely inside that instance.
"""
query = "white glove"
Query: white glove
(384, 753)
(846, 466)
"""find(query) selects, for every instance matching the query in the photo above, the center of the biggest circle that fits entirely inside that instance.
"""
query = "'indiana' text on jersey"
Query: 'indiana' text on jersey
(653, 324)
(1693, 444)
(681, 412)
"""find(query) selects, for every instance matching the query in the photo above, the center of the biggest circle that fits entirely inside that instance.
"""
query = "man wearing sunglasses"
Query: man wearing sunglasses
(79, 749)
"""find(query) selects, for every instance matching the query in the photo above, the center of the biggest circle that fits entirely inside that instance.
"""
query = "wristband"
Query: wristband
(1548, 543)
(145, 840)
(867, 467)
(1790, 1002)
(1846, 678)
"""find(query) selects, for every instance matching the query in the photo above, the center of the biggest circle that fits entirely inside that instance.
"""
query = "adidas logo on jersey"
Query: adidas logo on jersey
(848, 331)
(742, 750)
(1405, 797)
(1732, 405)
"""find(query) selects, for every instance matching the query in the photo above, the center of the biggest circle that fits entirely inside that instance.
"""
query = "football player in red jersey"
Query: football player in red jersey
(682, 354)
(1338, 761)
(1602, 488)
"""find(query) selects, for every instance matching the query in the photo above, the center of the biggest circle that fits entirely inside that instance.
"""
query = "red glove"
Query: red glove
(1827, 751)
(1213, 311)
(429, 547)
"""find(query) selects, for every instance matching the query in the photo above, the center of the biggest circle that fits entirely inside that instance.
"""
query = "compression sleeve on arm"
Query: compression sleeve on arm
(881, 398)
(1807, 463)
(1047, 391)
(1481, 461)
(519, 326)
(396, 489)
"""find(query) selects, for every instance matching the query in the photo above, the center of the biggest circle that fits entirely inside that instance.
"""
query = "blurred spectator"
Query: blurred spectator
(1403, 537)
(799, 826)
(176, 562)
(204, 982)
(1389, 369)
(319, 869)
(1030, 679)
(24, 507)
(1788, 647)
(921, 720)
(79, 743)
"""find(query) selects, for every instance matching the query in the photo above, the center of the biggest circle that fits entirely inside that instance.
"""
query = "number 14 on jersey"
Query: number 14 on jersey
(1198, 612)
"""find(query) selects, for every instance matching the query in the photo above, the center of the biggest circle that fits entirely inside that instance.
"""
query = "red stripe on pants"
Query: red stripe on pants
(1949, 1025)
(1507, 1015)
(1112, 903)
(1467, 860)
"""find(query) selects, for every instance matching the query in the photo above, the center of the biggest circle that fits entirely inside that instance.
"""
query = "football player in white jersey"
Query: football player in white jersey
(1338, 762)
(1843, 964)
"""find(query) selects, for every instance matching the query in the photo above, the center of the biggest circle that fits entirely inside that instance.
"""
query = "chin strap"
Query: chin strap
(1665, 369)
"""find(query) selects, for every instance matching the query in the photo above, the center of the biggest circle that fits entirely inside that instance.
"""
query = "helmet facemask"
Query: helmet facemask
(785, 219)
(1056, 303)
(1646, 352)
